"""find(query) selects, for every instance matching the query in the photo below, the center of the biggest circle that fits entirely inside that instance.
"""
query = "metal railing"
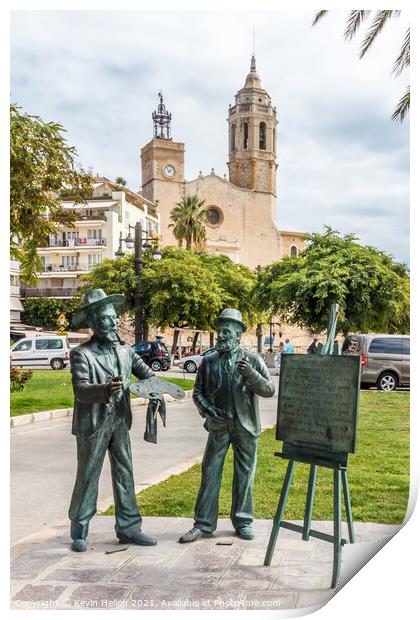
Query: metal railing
(66, 268)
(73, 243)
(47, 292)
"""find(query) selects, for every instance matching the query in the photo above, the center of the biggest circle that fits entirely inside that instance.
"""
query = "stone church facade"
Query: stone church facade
(242, 209)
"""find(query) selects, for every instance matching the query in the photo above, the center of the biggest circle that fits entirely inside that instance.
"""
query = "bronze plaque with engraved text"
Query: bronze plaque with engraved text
(318, 401)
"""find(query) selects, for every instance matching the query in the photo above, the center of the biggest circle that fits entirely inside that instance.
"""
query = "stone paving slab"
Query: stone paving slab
(46, 574)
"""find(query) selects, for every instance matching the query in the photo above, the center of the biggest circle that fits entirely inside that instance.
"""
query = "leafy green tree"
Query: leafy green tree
(183, 289)
(189, 218)
(42, 170)
(121, 181)
(44, 311)
(370, 287)
(177, 291)
(237, 282)
(380, 18)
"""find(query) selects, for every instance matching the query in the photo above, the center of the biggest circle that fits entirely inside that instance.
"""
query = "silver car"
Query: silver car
(191, 363)
(385, 359)
(41, 350)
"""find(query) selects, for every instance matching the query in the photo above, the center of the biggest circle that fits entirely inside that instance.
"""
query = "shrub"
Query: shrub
(18, 378)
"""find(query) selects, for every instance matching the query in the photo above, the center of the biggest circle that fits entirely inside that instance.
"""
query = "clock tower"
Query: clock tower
(162, 168)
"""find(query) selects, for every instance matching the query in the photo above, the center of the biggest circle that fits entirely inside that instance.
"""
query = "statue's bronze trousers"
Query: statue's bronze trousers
(112, 436)
(244, 447)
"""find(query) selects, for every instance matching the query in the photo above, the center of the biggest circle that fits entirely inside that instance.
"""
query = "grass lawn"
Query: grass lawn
(52, 389)
(378, 473)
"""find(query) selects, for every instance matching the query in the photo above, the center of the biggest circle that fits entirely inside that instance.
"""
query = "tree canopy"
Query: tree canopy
(183, 289)
(42, 170)
(370, 287)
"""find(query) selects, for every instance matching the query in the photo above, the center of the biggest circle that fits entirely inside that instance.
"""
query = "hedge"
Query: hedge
(44, 311)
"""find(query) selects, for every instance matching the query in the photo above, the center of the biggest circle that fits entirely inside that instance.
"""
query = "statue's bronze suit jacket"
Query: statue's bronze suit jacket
(91, 369)
(245, 391)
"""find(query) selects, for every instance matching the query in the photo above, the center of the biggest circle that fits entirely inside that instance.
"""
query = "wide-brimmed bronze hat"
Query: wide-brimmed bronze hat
(94, 299)
(230, 314)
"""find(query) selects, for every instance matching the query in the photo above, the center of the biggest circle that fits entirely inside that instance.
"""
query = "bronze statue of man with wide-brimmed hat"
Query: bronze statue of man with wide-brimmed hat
(226, 391)
(101, 374)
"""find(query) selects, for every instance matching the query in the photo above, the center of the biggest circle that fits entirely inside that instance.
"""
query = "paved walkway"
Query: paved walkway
(222, 572)
(43, 462)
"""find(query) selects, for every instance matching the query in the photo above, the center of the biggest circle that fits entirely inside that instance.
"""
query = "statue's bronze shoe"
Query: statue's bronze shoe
(245, 532)
(79, 545)
(193, 534)
(136, 538)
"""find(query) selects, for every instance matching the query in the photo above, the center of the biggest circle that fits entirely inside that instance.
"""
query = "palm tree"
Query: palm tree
(379, 20)
(121, 181)
(189, 218)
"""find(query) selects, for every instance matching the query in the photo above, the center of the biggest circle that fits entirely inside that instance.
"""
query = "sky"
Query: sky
(342, 162)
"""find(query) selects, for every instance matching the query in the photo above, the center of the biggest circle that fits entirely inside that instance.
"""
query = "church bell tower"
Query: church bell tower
(162, 159)
(252, 137)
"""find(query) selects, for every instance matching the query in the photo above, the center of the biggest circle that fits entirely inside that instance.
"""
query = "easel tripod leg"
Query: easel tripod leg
(346, 491)
(279, 513)
(337, 528)
(309, 502)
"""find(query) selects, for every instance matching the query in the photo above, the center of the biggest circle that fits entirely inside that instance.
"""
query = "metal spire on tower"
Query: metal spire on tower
(161, 121)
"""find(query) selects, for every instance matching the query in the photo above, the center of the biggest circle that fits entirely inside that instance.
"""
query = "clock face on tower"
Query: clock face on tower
(168, 171)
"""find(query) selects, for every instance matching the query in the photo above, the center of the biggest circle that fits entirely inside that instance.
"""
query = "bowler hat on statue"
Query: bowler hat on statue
(93, 300)
(230, 314)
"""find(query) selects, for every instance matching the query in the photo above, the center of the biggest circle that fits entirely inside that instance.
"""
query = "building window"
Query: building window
(263, 141)
(232, 137)
(245, 135)
(293, 250)
(214, 217)
(94, 259)
(274, 140)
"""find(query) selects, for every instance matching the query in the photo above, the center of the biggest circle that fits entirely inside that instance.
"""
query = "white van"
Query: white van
(41, 350)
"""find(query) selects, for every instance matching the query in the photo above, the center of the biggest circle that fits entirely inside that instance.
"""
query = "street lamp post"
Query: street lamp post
(137, 243)
(138, 268)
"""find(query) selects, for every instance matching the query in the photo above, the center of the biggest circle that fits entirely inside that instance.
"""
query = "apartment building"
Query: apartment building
(99, 224)
(16, 307)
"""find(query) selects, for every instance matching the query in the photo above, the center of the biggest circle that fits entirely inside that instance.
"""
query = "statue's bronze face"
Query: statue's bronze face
(228, 336)
(103, 321)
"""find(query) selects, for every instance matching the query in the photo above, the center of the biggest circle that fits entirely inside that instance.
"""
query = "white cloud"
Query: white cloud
(342, 161)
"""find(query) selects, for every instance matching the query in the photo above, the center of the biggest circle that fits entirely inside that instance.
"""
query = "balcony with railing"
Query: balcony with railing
(61, 242)
(85, 215)
(47, 292)
(68, 268)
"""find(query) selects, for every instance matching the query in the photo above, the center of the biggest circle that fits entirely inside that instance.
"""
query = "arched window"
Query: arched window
(293, 250)
(245, 135)
(232, 136)
(263, 141)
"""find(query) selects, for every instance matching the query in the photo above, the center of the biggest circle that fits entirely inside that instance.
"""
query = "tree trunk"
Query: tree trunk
(211, 339)
(175, 341)
(194, 344)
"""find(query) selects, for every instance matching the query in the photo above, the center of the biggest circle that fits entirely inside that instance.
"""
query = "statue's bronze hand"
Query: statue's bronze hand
(214, 413)
(115, 387)
(244, 367)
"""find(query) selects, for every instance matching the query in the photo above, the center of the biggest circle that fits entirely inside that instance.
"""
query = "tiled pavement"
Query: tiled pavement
(222, 572)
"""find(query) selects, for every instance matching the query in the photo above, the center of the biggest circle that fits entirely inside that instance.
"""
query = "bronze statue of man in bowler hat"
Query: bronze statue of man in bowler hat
(226, 392)
(101, 374)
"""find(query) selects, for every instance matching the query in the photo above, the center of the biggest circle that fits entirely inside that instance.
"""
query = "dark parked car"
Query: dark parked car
(155, 354)
(385, 359)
